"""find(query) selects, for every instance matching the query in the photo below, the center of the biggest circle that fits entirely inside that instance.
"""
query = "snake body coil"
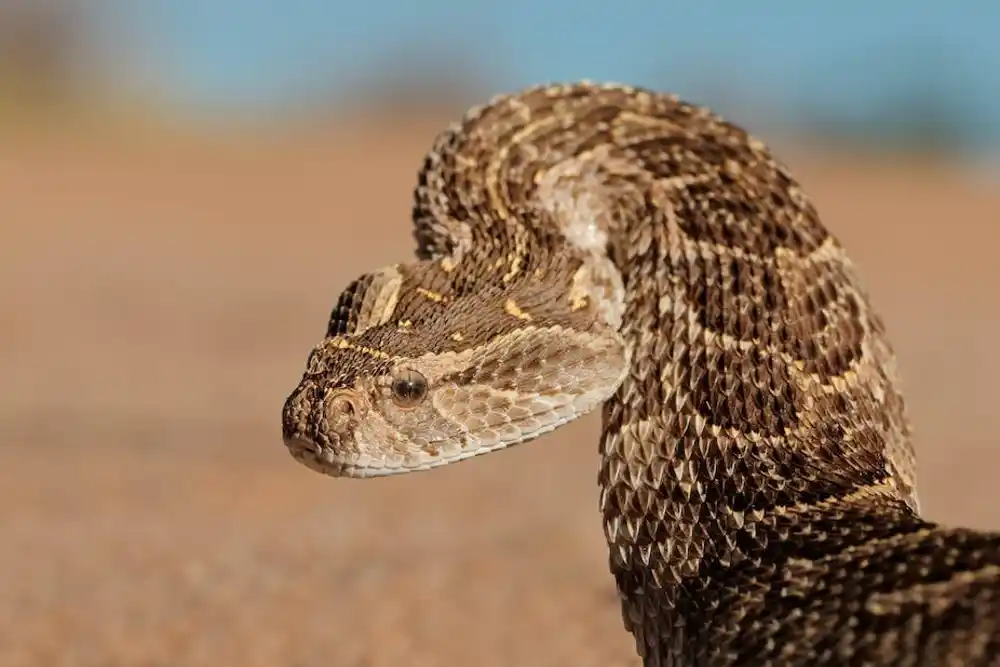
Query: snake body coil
(583, 245)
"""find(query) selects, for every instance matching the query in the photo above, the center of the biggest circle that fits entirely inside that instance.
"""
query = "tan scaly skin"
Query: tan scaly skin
(583, 245)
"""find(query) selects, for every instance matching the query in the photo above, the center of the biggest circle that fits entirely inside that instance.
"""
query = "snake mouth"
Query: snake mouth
(318, 458)
(324, 459)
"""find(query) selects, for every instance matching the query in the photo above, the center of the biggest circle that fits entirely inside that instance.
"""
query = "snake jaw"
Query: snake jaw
(508, 391)
(373, 447)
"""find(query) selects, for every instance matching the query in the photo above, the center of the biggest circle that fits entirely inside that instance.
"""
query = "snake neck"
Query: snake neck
(713, 452)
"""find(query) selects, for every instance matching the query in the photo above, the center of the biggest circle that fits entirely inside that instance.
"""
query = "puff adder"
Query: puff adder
(585, 246)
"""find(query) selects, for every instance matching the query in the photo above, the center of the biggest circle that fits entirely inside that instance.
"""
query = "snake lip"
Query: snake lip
(301, 447)
(316, 457)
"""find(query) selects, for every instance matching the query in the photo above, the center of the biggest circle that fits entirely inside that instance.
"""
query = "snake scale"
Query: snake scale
(585, 245)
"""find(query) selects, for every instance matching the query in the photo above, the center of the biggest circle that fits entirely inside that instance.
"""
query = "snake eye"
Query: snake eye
(409, 388)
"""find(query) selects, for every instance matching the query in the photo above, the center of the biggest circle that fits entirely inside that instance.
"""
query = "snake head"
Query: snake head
(379, 401)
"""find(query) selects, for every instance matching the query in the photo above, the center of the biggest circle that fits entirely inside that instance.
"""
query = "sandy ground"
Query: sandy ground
(159, 298)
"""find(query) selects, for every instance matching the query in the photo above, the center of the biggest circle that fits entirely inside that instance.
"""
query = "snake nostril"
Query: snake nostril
(342, 403)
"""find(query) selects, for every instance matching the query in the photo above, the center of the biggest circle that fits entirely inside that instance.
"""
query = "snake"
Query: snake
(585, 246)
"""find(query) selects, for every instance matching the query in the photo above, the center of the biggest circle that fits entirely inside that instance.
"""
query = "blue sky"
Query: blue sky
(247, 54)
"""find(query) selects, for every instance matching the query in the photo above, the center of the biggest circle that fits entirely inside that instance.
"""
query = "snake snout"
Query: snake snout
(299, 420)
(300, 446)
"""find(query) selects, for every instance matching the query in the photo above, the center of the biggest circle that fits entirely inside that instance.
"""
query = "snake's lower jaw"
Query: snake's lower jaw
(324, 460)
(329, 461)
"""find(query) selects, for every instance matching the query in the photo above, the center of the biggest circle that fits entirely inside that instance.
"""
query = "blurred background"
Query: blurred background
(185, 187)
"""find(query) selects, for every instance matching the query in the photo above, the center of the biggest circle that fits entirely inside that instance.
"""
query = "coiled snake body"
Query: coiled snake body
(586, 244)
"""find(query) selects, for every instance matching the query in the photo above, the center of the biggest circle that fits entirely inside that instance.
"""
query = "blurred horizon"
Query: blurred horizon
(889, 76)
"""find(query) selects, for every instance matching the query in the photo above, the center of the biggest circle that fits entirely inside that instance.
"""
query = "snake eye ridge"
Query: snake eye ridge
(409, 388)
